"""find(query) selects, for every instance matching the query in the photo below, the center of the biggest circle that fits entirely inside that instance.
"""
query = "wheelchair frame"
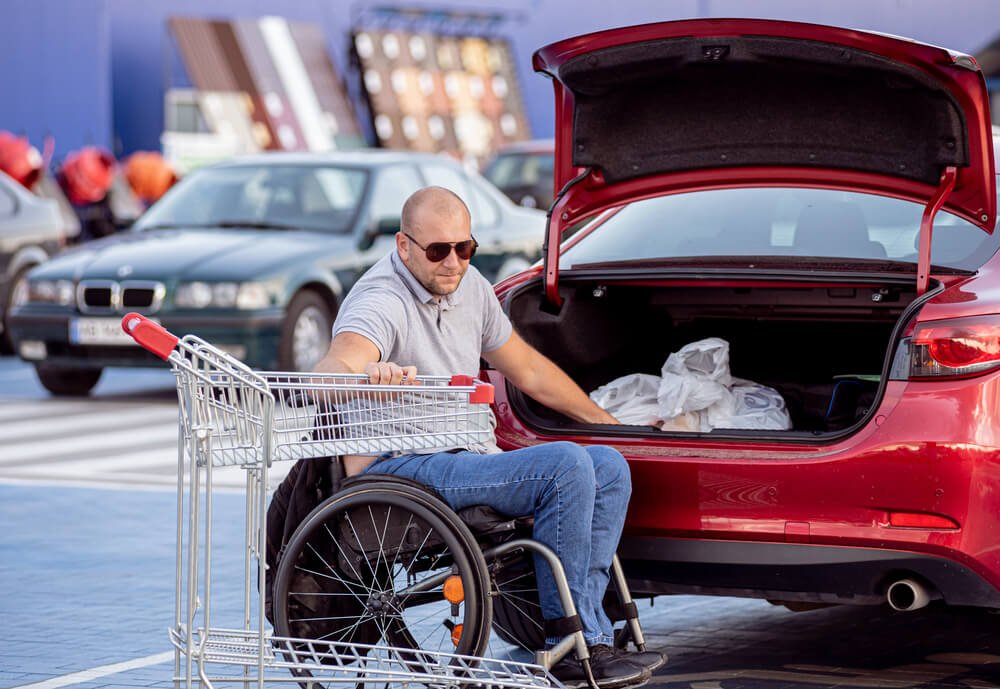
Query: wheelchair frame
(230, 415)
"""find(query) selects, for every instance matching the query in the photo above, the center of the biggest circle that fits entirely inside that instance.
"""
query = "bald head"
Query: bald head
(434, 216)
(432, 205)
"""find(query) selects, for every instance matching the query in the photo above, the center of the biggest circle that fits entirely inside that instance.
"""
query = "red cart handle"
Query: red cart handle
(483, 394)
(149, 334)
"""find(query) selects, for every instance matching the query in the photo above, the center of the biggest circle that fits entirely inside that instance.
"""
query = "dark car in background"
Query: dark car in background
(837, 230)
(523, 171)
(253, 255)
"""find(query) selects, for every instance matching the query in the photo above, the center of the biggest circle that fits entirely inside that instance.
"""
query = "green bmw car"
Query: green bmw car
(253, 255)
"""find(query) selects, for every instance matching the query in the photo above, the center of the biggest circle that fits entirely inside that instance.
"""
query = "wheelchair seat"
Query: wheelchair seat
(482, 520)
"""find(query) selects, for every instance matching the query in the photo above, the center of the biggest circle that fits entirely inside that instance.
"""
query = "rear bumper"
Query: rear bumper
(792, 571)
(257, 333)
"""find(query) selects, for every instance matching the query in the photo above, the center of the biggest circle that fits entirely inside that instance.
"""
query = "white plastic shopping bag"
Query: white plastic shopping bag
(631, 399)
(695, 377)
(695, 393)
(757, 407)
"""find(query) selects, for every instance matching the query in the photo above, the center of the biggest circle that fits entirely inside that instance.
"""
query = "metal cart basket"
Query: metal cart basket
(230, 415)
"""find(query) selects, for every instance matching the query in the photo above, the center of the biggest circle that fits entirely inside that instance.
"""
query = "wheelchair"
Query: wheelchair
(380, 564)
(384, 560)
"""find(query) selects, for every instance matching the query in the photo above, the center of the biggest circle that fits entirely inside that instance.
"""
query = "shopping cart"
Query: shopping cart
(231, 415)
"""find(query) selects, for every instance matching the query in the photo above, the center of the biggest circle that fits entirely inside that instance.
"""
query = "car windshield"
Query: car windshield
(309, 197)
(779, 222)
(513, 169)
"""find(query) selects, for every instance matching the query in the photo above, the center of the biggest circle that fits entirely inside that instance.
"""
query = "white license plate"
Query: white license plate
(104, 331)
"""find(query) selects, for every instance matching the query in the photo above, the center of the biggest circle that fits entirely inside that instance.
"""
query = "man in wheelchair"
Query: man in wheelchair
(422, 309)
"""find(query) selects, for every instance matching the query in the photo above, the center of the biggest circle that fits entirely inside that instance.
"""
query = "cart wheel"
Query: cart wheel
(388, 565)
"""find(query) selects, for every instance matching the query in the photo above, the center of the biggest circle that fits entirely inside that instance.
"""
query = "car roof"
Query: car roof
(529, 146)
(359, 158)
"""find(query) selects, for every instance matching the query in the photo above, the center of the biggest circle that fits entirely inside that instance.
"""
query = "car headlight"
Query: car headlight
(45, 292)
(222, 295)
(252, 295)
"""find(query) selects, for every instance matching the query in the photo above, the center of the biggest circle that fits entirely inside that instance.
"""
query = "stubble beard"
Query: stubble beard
(434, 287)
(439, 291)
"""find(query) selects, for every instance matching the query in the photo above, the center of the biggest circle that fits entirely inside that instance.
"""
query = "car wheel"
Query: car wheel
(305, 334)
(512, 266)
(62, 380)
(17, 286)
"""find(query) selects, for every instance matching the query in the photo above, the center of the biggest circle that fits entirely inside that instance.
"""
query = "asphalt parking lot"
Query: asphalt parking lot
(87, 575)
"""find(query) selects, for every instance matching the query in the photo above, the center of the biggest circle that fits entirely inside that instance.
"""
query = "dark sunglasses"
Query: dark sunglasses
(438, 251)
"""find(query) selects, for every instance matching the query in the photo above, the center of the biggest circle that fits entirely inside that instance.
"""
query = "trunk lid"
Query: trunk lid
(699, 104)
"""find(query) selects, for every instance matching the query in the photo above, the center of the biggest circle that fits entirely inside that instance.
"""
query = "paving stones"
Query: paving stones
(87, 581)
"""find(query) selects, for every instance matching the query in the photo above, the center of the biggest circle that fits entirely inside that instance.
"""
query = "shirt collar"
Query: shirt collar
(418, 290)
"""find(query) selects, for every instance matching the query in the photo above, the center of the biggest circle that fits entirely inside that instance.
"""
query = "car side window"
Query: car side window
(393, 185)
(489, 214)
(483, 209)
(8, 204)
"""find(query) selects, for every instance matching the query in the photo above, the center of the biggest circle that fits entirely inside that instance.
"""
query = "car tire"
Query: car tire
(305, 334)
(20, 281)
(65, 381)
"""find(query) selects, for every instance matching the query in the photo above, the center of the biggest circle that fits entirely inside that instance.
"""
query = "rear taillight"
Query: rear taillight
(955, 348)
(920, 520)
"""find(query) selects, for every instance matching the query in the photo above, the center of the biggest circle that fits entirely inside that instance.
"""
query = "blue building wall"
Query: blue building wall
(94, 71)
(56, 71)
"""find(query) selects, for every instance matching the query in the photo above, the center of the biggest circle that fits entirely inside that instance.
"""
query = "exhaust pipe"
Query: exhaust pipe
(906, 595)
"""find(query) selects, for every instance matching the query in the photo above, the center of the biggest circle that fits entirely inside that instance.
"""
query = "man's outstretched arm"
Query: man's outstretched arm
(353, 353)
(540, 378)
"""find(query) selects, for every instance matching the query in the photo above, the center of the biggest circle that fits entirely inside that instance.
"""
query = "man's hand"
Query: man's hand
(388, 373)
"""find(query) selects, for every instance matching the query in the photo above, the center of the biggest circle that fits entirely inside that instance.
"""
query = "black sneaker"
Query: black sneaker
(651, 660)
(610, 670)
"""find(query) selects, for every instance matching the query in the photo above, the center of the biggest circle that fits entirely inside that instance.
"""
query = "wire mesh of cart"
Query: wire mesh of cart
(231, 415)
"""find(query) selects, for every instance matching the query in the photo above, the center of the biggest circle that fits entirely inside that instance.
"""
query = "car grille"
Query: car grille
(108, 296)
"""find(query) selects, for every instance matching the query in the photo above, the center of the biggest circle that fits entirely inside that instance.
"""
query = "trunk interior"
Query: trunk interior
(819, 345)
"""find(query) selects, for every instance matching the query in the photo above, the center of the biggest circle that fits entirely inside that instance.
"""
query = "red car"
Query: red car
(824, 201)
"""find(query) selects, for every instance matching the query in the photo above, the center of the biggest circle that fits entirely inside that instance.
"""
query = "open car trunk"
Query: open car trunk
(824, 346)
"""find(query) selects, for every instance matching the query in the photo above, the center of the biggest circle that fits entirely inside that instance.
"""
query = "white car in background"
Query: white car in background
(32, 228)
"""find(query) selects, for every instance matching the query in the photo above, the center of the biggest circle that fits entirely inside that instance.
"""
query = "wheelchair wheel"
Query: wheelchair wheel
(517, 614)
(385, 564)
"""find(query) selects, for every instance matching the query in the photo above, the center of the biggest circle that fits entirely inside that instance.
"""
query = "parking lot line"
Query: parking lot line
(101, 671)
(126, 439)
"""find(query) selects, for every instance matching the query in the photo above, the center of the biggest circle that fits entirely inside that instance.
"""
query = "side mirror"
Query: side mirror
(384, 227)
(387, 226)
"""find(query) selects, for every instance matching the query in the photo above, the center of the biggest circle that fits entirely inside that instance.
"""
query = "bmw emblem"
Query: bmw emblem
(124, 271)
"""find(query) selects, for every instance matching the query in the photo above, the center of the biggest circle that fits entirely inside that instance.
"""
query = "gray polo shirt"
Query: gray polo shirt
(444, 337)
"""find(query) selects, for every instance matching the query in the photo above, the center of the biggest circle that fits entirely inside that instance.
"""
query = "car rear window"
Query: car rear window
(780, 222)
(517, 169)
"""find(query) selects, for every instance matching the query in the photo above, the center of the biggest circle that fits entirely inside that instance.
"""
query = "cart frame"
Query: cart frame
(231, 415)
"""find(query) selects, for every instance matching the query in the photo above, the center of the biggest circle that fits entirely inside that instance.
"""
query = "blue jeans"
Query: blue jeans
(577, 495)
